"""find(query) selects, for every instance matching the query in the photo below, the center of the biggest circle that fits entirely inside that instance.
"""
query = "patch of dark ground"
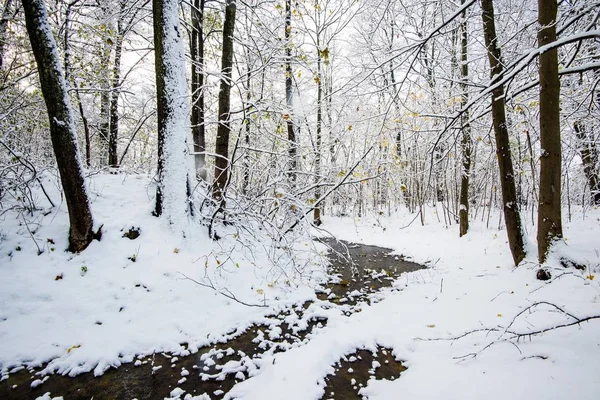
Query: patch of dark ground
(358, 271)
(353, 372)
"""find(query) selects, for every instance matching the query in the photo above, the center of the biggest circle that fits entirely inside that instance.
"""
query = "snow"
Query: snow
(120, 309)
(147, 306)
(470, 284)
(177, 163)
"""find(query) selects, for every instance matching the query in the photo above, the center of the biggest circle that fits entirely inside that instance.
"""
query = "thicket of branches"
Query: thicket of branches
(295, 109)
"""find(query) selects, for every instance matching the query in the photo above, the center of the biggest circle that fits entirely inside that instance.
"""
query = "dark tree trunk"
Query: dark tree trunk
(113, 155)
(291, 131)
(510, 205)
(62, 124)
(467, 142)
(549, 212)
(224, 127)
(197, 115)
(104, 125)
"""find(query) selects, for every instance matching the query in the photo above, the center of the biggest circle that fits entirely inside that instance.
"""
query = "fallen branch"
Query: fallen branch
(227, 293)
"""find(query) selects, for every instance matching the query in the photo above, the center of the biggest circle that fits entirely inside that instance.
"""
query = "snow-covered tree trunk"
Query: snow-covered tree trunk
(172, 113)
(62, 123)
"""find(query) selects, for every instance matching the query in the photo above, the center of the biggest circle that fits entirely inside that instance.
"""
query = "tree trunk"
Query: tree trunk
(467, 142)
(62, 124)
(113, 155)
(224, 127)
(549, 212)
(511, 207)
(171, 94)
(197, 115)
(319, 79)
(3, 27)
(589, 158)
(291, 132)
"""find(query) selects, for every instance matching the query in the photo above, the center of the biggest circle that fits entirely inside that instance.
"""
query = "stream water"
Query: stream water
(359, 272)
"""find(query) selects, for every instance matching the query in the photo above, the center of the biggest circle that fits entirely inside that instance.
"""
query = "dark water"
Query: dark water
(360, 271)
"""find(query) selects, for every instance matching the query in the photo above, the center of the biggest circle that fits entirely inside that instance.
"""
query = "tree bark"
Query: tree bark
(197, 115)
(319, 79)
(62, 124)
(467, 142)
(511, 207)
(224, 127)
(172, 192)
(549, 212)
(291, 131)
(113, 155)
(6, 11)
(589, 158)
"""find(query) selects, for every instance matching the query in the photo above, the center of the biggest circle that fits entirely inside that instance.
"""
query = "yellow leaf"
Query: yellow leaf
(498, 315)
(431, 326)
(349, 127)
(73, 348)
(591, 277)
(176, 250)
(260, 291)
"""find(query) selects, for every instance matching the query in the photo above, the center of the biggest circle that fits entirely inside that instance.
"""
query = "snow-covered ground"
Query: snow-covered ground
(147, 305)
(470, 285)
(100, 308)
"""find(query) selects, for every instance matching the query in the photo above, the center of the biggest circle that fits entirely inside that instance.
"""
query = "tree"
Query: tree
(62, 125)
(549, 212)
(171, 98)
(510, 204)
(197, 61)
(224, 128)
(467, 142)
(291, 130)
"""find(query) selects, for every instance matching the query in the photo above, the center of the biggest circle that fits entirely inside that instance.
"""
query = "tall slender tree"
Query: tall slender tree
(197, 83)
(224, 127)
(62, 123)
(467, 142)
(510, 204)
(549, 212)
(291, 130)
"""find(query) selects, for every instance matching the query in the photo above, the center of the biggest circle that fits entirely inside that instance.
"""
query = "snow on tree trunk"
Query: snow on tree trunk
(172, 112)
(62, 123)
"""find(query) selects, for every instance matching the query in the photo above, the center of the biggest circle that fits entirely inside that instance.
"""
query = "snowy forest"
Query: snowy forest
(299, 199)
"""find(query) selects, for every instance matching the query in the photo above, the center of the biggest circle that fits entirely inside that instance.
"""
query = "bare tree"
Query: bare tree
(224, 128)
(291, 130)
(549, 212)
(467, 142)
(510, 204)
(197, 61)
(62, 125)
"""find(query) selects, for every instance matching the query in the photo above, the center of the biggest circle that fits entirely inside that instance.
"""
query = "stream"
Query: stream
(358, 273)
